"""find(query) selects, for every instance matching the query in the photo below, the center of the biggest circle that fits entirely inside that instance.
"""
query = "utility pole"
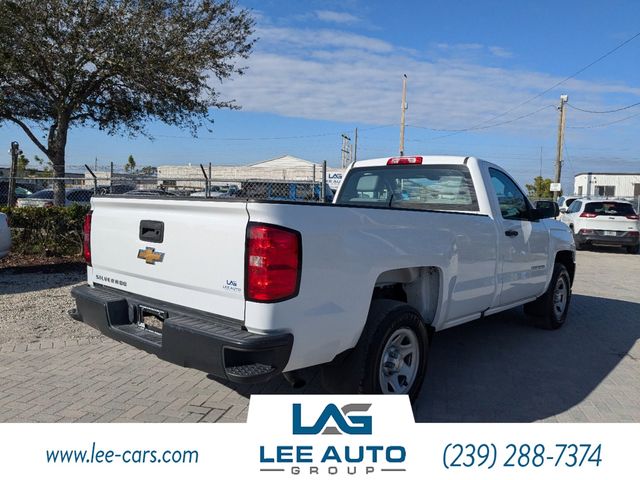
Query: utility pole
(563, 100)
(346, 151)
(15, 152)
(403, 109)
(355, 146)
(540, 162)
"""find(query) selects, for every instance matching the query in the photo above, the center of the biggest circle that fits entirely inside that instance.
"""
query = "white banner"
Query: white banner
(317, 436)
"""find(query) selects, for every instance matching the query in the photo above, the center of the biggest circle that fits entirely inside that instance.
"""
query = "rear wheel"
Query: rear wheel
(633, 249)
(390, 357)
(551, 309)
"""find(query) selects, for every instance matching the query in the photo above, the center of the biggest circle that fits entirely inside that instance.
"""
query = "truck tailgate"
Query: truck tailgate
(184, 252)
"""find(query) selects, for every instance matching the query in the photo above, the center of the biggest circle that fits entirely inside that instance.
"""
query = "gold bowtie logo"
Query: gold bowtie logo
(150, 256)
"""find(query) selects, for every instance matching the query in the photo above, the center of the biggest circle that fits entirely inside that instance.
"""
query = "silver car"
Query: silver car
(44, 198)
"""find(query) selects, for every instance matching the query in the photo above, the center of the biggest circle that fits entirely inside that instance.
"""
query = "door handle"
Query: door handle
(511, 233)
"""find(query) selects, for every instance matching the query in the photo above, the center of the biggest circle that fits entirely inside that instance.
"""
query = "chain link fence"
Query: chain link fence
(294, 186)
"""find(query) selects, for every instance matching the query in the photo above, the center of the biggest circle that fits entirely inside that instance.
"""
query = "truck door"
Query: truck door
(523, 245)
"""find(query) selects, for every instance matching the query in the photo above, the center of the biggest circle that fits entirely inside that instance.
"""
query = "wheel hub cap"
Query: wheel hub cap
(399, 362)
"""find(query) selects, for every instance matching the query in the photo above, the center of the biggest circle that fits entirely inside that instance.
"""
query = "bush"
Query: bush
(53, 231)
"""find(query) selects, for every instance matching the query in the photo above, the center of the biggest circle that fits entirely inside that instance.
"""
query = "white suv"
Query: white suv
(603, 222)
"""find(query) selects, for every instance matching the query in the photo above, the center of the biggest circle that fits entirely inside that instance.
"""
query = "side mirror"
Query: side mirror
(546, 209)
(563, 210)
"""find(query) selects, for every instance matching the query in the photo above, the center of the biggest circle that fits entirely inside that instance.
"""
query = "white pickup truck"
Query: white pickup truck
(248, 289)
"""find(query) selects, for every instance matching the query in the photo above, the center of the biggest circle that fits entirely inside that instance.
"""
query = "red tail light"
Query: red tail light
(632, 217)
(588, 215)
(585, 231)
(273, 261)
(405, 161)
(86, 238)
(633, 234)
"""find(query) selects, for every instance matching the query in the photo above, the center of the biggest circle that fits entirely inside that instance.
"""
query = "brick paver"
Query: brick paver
(499, 369)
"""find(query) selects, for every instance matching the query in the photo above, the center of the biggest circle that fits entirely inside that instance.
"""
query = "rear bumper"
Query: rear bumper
(599, 239)
(213, 344)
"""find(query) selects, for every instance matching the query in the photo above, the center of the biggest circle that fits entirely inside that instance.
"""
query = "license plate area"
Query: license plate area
(610, 233)
(150, 319)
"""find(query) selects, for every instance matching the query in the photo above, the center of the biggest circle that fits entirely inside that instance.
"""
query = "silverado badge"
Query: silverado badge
(150, 256)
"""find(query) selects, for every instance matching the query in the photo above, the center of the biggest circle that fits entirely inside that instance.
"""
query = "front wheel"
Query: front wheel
(390, 357)
(551, 309)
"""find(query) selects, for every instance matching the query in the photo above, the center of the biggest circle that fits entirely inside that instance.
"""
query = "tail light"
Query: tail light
(405, 161)
(273, 262)
(585, 231)
(588, 215)
(86, 238)
(633, 234)
(632, 217)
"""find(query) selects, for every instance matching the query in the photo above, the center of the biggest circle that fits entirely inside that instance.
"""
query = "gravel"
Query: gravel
(34, 304)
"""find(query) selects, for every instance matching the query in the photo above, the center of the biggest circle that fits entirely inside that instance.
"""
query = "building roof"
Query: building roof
(286, 161)
(604, 173)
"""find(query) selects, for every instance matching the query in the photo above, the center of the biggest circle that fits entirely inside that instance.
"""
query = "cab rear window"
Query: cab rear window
(416, 187)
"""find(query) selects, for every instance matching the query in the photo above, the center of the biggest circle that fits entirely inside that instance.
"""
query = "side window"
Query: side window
(575, 207)
(513, 203)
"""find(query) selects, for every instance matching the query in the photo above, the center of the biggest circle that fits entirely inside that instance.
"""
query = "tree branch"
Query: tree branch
(30, 134)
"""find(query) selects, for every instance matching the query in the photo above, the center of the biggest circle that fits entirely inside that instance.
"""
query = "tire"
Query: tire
(374, 366)
(634, 249)
(579, 246)
(551, 309)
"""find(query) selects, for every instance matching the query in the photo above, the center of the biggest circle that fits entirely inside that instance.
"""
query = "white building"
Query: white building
(607, 184)
(286, 167)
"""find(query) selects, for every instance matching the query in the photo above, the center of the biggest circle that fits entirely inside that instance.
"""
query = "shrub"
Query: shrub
(53, 231)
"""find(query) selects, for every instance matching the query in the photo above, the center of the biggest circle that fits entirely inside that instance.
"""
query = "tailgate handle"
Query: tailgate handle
(151, 231)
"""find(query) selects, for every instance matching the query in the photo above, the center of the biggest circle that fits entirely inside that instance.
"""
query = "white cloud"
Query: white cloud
(500, 52)
(340, 76)
(336, 17)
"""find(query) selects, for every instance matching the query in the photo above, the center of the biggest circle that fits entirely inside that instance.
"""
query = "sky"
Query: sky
(495, 69)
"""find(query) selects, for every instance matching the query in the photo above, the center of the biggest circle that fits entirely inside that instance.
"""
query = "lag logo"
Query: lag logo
(349, 424)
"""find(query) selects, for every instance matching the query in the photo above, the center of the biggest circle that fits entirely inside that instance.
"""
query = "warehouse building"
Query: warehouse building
(286, 167)
(604, 184)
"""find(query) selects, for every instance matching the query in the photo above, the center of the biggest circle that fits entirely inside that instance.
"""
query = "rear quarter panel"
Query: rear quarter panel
(344, 251)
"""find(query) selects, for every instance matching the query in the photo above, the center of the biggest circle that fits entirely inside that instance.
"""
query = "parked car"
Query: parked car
(5, 236)
(44, 198)
(22, 190)
(150, 193)
(295, 191)
(246, 290)
(603, 222)
(218, 191)
(565, 202)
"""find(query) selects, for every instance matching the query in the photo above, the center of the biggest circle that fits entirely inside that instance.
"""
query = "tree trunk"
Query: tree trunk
(57, 147)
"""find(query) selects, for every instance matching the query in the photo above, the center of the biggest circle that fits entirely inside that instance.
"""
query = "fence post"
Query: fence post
(95, 179)
(13, 173)
(206, 182)
(323, 181)
(111, 175)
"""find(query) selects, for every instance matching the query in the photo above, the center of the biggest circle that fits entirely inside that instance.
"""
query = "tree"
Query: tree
(130, 166)
(115, 64)
(541, 188)
(22, 165)
(149, 170)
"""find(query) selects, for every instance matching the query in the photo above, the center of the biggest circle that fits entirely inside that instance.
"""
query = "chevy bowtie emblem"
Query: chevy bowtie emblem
(150, 256)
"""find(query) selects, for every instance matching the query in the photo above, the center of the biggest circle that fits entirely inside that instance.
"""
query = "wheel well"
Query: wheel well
(565, 257)
(416, 286)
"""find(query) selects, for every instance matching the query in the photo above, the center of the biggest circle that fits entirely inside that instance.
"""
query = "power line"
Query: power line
(604, 111)
(544, 92)
(456, 131)
(270, 138)
(620, 120)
